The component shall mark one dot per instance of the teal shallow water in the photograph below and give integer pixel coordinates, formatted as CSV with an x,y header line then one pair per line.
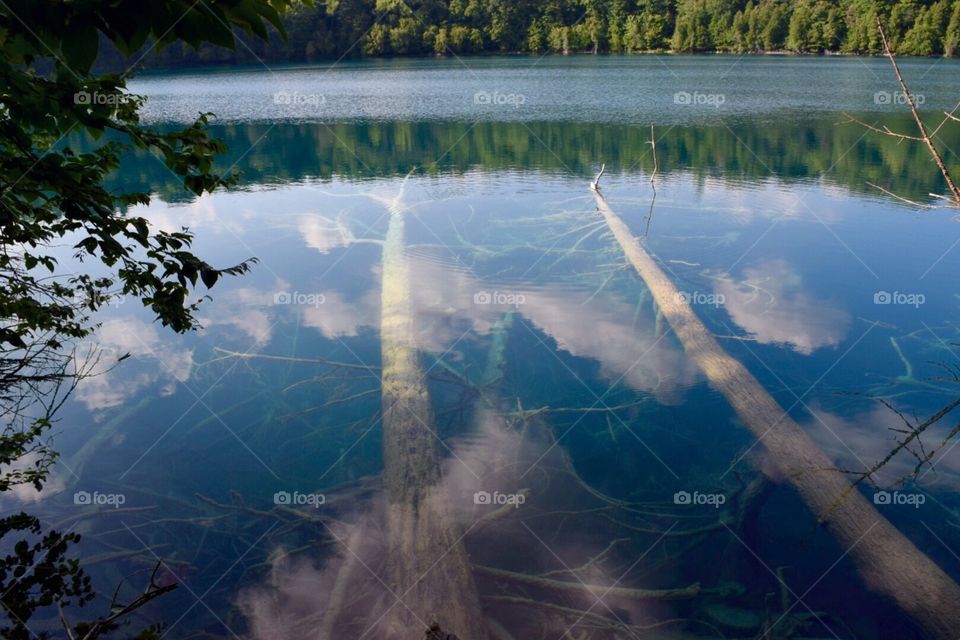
x,y
828,291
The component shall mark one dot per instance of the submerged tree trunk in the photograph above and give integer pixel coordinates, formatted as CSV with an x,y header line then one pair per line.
x,y
428,567
888,562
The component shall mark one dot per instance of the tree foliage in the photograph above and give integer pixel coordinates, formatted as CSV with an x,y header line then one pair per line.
x,y
53,194
445,27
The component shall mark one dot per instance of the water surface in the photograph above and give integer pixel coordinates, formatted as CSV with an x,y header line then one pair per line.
x,y
552,374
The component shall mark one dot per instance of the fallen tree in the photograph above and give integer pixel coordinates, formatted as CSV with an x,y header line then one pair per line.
x,y
887,561
428,567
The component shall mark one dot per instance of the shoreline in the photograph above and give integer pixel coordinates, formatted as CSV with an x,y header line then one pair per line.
x,y
526,54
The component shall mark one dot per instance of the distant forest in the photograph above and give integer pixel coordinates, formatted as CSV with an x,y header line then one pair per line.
x,y
367,28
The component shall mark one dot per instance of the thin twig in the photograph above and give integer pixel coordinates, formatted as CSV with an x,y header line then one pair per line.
x,y
656,168
595,185
653,145
916,116
907,200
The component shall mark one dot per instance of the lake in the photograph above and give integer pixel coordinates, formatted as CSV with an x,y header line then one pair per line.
x,y
580,442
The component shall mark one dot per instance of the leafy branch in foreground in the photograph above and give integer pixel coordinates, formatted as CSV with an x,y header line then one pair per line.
x,y
54,198
37,573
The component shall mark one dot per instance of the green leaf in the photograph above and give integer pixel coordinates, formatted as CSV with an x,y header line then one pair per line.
x,y
209,277
79,47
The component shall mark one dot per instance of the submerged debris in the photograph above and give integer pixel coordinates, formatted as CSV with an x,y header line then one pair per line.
x,y
887,560
435,633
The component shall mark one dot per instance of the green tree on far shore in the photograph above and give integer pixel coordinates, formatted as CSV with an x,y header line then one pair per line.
x,y
355,28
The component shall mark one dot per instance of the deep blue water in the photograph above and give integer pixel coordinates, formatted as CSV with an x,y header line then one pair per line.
x,y
833,294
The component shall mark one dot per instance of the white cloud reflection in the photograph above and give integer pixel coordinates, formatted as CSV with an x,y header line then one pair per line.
x,y
27,493
599,329
152,360
293,600
771,305
321,233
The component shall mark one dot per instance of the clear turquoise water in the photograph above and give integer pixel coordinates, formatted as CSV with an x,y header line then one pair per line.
x,y
762,214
